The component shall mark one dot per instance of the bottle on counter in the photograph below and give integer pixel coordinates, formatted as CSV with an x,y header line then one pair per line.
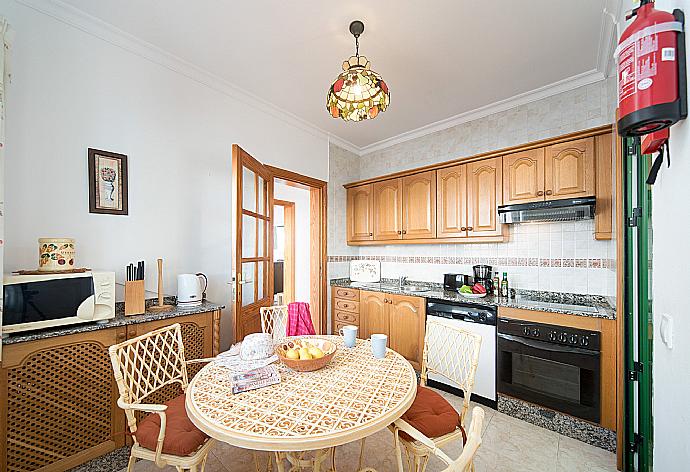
x,y
497,285
504,285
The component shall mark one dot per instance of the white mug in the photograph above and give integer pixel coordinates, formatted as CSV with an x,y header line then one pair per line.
x,y
349,334
378,345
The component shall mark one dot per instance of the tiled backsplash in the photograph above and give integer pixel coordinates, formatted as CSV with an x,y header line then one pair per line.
x,y
561,257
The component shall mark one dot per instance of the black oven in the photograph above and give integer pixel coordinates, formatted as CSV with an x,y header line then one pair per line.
x,y
552,366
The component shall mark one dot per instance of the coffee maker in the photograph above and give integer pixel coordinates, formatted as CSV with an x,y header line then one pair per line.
x,y
482,275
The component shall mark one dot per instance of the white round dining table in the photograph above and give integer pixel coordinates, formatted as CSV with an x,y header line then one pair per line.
x,y
353,397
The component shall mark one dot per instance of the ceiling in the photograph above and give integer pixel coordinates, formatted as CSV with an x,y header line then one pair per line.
x,y
440,58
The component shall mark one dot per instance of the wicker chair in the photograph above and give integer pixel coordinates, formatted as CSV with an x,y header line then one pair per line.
x,y
455,356
274,321
464,463
145,365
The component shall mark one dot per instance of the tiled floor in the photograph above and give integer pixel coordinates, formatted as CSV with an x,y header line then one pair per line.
x,y
508,444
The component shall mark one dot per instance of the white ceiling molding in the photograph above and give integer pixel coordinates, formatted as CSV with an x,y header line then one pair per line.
x,y
115,36
347,145
561,86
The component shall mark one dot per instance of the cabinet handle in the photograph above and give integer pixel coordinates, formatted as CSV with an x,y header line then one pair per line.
x,y
464,228
540,193
371,234
399,232
549,192
470,228
404,231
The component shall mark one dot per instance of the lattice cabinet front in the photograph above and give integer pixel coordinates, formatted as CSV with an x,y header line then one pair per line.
x,y
57,401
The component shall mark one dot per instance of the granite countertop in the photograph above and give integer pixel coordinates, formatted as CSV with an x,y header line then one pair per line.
x,y
119,320
594,306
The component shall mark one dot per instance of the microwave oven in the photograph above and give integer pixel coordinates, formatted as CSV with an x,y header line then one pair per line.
x,y
44,301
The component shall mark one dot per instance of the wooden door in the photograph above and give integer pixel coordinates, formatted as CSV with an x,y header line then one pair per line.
x,y
387,209
419,205
373,313
451,202
406,318
360,222
252,208
523,177
569,169
484,192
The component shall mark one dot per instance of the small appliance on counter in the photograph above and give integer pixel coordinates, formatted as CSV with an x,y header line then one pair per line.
x,y
453,282
365,271
483,275
189,289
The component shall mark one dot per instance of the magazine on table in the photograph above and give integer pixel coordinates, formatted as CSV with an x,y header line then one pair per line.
x,y
257,378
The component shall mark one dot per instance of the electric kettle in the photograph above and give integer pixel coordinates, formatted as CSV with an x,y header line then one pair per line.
x,y
189,289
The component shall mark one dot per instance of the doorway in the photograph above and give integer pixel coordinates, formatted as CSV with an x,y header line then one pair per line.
x,y
284,251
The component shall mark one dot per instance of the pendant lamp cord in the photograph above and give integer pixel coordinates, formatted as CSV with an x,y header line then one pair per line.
x,y
357,45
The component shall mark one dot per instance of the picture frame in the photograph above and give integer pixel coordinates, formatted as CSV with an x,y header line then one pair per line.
x,y
107,182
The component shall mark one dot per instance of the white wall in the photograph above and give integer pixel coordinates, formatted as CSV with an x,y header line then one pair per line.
x,y
71,91
301,198
670,262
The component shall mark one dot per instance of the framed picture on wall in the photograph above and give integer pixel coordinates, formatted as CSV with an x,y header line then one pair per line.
x,y
107,182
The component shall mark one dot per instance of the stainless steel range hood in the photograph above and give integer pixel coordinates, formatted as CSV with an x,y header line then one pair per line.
x,y
571,209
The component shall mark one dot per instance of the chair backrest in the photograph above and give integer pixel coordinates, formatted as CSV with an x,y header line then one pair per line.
x,y
274,321
453,353
148,363
474,440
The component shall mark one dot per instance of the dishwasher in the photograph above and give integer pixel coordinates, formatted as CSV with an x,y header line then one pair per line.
x,y
475,318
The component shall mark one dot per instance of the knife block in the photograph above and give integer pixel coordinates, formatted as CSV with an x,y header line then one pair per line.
x,y
135,302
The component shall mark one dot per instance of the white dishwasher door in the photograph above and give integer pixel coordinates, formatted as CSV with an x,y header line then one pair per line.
x,y
485,379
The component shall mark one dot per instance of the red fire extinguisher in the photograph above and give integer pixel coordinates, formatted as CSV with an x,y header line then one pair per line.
x,y
651,71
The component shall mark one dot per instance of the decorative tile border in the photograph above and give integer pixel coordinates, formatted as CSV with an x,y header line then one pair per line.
x,y
495,261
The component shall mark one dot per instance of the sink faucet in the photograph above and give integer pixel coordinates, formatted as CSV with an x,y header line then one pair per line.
x,y
402,281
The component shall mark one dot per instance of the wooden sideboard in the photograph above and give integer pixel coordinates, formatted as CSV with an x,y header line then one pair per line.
x,y
58,397
457,201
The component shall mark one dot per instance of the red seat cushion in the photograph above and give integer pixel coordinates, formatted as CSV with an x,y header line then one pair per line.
x,y
182,438
431,414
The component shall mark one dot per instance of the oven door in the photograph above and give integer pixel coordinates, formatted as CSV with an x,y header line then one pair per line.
x,y
562,378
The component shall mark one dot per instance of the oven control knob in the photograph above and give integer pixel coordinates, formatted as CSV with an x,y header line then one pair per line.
x,y
552,336
535,332
584,341
573,339
562,338
526,330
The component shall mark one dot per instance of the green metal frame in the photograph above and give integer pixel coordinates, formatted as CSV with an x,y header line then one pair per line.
x,y
638,310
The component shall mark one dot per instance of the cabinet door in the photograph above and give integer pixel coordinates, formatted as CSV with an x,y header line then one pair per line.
x,y
484,192
388,210
419,205
406,336
451,202
569,169
523,177
373,313
359,213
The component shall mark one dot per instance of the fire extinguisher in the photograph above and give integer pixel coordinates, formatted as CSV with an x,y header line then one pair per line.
x,y
651,71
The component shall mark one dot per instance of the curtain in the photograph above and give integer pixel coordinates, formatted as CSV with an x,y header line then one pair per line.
x,y
6,34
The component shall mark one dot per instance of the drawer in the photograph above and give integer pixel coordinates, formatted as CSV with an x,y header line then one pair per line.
x,y
347,317
348,293
337,325
347,305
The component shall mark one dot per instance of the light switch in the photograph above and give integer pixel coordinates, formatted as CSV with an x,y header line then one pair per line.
x,y
666,330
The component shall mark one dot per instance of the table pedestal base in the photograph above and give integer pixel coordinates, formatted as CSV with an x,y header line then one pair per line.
x,y
299,463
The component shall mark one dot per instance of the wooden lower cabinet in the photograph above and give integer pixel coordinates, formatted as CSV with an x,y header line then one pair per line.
x,y
344,308
400,317
58,397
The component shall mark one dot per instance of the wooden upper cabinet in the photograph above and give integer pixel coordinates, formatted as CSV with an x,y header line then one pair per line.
x,y
451,202
569,169
373,313
388,209
406,324
484,192
523,177
360,216
419,205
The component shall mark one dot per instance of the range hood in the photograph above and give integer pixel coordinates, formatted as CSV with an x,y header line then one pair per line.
x,y
571,209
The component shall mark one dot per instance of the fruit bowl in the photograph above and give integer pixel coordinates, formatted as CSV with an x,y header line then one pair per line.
x,y
472,295
305,364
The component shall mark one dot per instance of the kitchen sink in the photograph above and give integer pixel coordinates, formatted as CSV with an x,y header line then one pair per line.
x,y
414,288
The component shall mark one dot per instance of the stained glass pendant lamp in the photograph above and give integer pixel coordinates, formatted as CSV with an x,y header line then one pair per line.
x,y
358,93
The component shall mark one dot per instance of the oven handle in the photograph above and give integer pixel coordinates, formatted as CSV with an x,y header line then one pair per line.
x,y
547,346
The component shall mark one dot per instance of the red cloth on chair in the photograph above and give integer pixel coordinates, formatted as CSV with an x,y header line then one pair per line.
x,y
299,320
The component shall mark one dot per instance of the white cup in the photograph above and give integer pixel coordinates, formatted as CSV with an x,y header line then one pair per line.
x,y
349,334
378,345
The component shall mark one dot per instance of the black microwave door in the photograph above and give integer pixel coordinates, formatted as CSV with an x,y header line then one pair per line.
x,y
45,300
